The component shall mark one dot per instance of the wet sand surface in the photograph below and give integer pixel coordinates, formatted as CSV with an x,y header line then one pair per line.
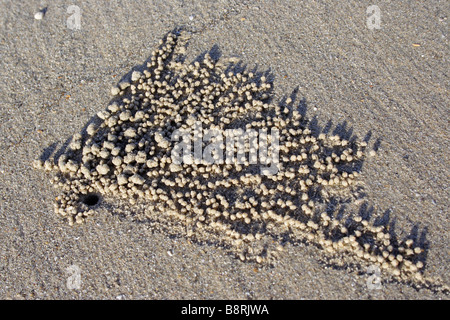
x,y
389,84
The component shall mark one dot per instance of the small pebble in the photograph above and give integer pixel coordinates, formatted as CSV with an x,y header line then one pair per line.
x,y
39,15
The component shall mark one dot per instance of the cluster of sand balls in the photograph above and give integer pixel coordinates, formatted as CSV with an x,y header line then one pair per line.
x,y
127,155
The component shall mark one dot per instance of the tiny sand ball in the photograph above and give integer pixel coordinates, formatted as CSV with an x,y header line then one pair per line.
x,y
102,169
115,91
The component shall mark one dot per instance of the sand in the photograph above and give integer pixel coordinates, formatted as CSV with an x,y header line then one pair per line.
x,y
389,84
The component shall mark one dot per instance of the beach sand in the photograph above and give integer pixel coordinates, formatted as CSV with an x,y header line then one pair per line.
x,y
389,84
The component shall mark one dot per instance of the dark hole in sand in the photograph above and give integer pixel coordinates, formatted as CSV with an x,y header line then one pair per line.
x,y
91,199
